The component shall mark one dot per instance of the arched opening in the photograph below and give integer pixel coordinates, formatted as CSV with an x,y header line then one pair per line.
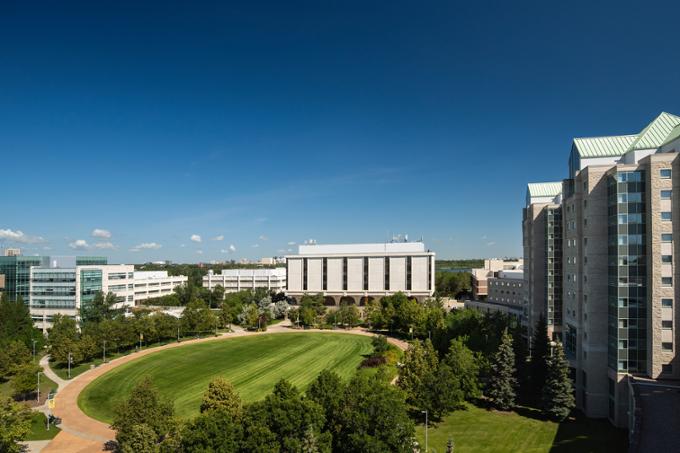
x,y
348,300
329,301
365,300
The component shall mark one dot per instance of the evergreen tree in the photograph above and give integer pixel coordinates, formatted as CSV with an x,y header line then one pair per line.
x,y
221,395
502,383
540,348
522,365
558,397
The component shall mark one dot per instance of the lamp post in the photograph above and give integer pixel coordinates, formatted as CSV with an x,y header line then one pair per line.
x,y
425,412
104,358
39,373
69,365
34,341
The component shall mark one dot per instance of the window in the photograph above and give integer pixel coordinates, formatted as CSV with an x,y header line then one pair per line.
x,y
666,194
666,258
666,281
667,303
623,344
667,346
665,173
666,215
667,237
666,324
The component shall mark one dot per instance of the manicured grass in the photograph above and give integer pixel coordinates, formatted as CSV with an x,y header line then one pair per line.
x,y
477,430
39,428
45,386
253,364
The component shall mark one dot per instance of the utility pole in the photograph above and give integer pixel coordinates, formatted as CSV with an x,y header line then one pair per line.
x,y
425,412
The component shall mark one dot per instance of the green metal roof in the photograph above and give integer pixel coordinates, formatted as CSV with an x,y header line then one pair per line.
x,y
544,189
656,132
604,146
674,135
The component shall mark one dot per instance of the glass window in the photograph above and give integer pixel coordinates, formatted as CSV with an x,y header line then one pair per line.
x,y
666,281
666,194
665,173
667,303
666,258
666,215
666,324
667,237
667,346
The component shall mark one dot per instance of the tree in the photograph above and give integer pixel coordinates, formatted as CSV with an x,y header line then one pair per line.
x,y
558,397
214,431
16,323
373,314
420,360
25,380
442,392
348,314
540,349
502,383
144,406
327,391
216,296
250,316
463,364
142,439
290,417
198,318
14,354
63,339
186,293
100,308
380,344
373,418
221,395
15,424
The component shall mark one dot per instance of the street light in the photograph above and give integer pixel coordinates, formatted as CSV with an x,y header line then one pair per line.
x,y
425,412
69,365
34,341
39,373
104,358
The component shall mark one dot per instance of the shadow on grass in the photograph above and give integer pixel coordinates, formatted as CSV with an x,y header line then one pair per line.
x,y
579,434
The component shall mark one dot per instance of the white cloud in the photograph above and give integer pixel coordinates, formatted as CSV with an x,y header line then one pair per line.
x,y
196,238
200,252
310,242
489,244
255,246
79,244
101,233
291,243
219,237
290,250
231,249
263,237
104,245
146,246
19,236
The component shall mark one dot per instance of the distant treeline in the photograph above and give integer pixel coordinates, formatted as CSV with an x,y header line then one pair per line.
x,y
459,264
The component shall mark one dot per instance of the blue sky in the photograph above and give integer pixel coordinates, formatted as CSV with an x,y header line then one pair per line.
x,y
265,124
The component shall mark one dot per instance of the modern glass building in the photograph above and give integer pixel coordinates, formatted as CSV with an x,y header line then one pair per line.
x,y
17,272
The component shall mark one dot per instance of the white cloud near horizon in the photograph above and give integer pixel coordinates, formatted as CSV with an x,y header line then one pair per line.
x,y
101,233
219,237
146,246
196,238
104,245
79,244
20,236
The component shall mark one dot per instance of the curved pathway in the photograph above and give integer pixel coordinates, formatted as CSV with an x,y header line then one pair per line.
x,y
81,434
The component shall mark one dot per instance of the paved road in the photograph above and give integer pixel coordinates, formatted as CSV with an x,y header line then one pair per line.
x,y
82,434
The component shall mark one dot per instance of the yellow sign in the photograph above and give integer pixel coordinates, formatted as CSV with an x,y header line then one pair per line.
x,y
51,403
141,336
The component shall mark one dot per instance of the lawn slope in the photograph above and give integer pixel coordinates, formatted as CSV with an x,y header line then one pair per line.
x,y
252,364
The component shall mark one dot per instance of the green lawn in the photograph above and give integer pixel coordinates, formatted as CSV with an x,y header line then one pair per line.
x,y
477,430
39,428
253,364
45,386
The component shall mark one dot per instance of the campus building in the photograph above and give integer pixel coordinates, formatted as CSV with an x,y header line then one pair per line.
x,y
233,280
542,242
480,276
150,284
357,273
619,233
63,286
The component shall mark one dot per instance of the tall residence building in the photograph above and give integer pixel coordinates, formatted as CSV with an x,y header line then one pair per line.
x,y
150,284
233,280
480,276
619,231
63,286
542,242
357,273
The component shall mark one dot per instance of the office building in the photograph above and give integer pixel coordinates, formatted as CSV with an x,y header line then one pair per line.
x,y
64,286
12,252
150,284
356,273
507,287
233,280
619,283
491,268
542,242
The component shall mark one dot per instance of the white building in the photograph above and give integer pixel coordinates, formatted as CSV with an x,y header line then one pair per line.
x,y
62,287
150,284
233,280
359,272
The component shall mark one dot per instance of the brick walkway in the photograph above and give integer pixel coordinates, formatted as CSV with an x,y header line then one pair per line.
x,y
82,434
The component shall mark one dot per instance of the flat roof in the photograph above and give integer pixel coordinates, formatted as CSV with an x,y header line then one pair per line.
x,y
367,248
